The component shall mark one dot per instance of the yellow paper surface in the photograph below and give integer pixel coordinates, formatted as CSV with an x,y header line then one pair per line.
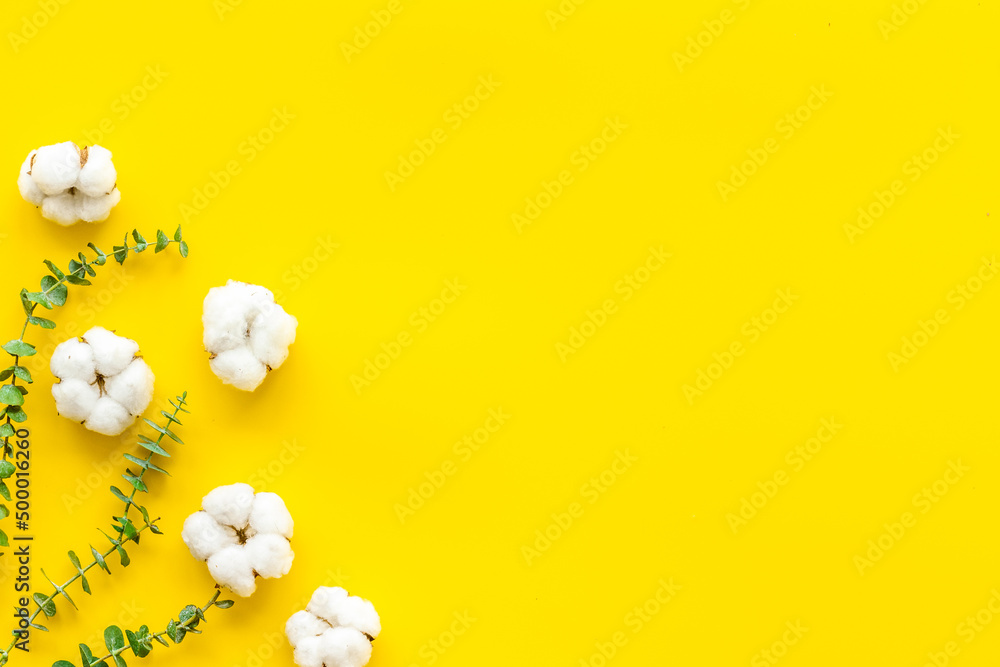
x,y
629,333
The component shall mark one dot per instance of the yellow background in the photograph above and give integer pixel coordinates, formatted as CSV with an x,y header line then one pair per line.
x,y
356,456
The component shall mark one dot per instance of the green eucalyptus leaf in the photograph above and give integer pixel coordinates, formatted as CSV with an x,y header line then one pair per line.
x,y
41,322
137,645
64,663
4,511
177,234
74,279
6,469
6,431
18,348
140,242
135,482
55,290
152,446
161,240
184,248
113,638
120,496
3,539
165,431
99,559
55,269
101,258
4,491
224,604
17,414
124,556
47,606
11,395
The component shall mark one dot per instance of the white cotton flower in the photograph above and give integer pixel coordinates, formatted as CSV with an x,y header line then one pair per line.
x,y
335,630
247,334
239,540
102,381
70,183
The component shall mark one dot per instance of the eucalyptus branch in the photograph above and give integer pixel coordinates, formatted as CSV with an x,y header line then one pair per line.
x,y
140,642
123,526
53,293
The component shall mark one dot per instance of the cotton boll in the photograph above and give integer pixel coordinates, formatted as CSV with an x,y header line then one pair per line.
x,y
98,175
60,209
310,652
325,603
269,515
26,184
133,387
29,191
108,417
204,536
270,555
302,624
346,647
246,333
96,209
272,333
352,624
56,167
230,505
75,399
111,353
73,359
240,368
360,614
231,568
122,382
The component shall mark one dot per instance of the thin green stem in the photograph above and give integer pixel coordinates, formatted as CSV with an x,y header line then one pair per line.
x,y
7,448
4,654
149,640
